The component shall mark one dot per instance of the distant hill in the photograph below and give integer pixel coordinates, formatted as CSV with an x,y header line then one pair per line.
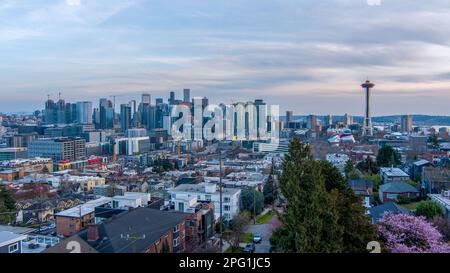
x,y
417,119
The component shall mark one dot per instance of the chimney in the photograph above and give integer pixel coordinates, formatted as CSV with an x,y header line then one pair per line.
x,y
92,233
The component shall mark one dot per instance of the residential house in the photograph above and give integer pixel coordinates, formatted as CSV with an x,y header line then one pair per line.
x,y
435,179
11,242
390,192
377,212
361,187
389,175
417,169
182,195
73,220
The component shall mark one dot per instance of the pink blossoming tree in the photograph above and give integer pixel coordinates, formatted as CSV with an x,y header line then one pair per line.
x,y
404,233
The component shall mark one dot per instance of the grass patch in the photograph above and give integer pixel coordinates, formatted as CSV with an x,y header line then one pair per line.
x,y
264,219
246,238
411,206
233,250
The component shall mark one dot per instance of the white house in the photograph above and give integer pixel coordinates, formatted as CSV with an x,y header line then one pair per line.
x,y
183,196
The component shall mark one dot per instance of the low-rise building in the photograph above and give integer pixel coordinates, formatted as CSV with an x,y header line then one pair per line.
x,y
131,200
338,161
73,220
377,212
435,179
13,153
11,242
142,230
443,200
389,175
390,192
361,187
182,196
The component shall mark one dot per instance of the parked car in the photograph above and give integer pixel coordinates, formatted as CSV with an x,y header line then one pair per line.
x,y
257,238
248,248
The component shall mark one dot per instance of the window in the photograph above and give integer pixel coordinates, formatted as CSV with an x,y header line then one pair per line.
x,y
226,208
227,216
176,229
176,242
181,206
208,197
13,248
226,200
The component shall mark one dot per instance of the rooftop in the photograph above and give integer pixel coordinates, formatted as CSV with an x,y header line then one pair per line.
x,y
377,212
201,188
394,172
398,187
148,224
442,200
84,209
7,238
17,230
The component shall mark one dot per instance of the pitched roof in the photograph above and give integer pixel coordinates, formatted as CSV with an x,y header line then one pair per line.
x,y
398,187
145,223
377,212
67,246
396,172
360,184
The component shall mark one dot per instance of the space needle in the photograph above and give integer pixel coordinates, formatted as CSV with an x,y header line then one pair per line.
x,y
367,127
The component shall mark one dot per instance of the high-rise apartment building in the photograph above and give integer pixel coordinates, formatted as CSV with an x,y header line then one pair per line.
x,y
187,95
125,117
406,124
84,112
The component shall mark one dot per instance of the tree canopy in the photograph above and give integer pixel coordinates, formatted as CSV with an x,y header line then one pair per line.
x,y
428,209
388,157
7,204
404,233
248,195
322,213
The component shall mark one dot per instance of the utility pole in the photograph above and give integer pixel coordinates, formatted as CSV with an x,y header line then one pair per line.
x,y
254,206
220,201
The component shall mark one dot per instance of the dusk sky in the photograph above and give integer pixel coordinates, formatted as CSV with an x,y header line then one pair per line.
x,y
309,56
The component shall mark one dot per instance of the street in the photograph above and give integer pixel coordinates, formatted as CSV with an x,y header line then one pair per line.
x,y
266,231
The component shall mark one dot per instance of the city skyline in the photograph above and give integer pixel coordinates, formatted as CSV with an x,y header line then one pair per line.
x,y
305,57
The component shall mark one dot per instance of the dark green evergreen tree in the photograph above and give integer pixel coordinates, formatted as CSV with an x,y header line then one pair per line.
x,y
357,229
248,195
309,223
388,157
7,205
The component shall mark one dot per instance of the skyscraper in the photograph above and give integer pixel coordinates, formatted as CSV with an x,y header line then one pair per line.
x,y
125,117
59,112
406,124
106,114
289,117
348,120
50,112
172,98
328,121
261,117
187,95
84,112
367,126
312,122
146,98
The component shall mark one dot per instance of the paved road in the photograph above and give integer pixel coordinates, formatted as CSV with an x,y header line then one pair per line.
x,y
265,231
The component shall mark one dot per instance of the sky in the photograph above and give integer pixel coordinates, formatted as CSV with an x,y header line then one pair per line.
x,y
305,55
